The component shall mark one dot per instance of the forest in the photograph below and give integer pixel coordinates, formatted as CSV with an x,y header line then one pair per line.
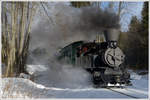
x,y
135,41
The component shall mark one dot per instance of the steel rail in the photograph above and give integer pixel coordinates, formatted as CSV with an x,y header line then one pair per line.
x,y
123,93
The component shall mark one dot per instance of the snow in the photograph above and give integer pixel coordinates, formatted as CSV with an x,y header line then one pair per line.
x,y
24,88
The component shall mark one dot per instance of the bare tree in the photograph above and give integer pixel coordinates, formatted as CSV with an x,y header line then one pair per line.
x,y
16,25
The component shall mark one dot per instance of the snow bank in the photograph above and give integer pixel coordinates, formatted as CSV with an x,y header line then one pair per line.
x,y
48,88
21,88
24,88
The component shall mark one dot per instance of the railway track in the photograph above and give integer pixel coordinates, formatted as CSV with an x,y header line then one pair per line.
x,y
129,95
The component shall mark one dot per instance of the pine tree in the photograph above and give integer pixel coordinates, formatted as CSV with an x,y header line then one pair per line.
x,y
145,16
137,51
134,48
144,29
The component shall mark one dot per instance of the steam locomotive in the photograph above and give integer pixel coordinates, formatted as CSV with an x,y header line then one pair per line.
x,y
104,60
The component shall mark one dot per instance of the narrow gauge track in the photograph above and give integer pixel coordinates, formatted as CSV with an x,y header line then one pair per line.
x,y
123,93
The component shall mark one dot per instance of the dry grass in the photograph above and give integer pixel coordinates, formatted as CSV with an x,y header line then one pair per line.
x,y
19,88
9,91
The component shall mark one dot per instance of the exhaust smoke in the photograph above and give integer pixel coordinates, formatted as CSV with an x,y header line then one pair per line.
x,y
71,24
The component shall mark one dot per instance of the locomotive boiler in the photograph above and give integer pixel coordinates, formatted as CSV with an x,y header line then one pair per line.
x,y
104,60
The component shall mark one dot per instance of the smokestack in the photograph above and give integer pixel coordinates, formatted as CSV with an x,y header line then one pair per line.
x,y
111,34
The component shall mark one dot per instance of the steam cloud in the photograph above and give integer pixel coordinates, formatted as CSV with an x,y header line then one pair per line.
x,y
71,24
95,19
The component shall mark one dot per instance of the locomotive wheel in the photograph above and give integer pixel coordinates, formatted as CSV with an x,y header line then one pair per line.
x,y
97,79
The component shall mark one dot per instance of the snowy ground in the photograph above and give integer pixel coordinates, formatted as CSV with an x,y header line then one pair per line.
x,y
41,88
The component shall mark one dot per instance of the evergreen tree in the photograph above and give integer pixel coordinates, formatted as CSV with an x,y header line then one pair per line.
x,y
133,47
144,29
145,16
137,52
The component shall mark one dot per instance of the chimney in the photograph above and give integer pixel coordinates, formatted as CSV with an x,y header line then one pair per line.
x,y
111,34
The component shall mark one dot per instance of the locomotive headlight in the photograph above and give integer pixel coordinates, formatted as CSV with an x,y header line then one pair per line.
x,y
115,44
96,74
